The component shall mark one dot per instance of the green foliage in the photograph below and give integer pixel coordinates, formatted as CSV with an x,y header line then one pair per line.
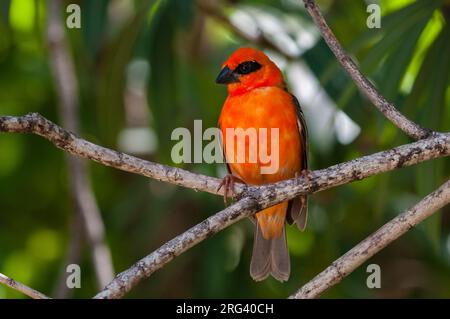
x,y
408,59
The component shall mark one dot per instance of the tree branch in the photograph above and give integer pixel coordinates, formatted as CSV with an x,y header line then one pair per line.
x,y
438,145
374,243
30,292
365,86
36,124
251,198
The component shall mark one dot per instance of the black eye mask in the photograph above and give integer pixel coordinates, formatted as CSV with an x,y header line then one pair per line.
x,y
247,67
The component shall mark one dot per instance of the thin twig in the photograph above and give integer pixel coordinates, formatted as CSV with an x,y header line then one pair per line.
x,y
366,87
374,243
86,205
30,292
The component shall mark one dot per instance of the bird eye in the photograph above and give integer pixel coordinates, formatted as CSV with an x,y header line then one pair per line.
x,y
248,67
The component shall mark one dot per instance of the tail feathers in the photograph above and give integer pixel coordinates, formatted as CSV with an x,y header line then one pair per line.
x,y
260,265
281,264
270,257
298,212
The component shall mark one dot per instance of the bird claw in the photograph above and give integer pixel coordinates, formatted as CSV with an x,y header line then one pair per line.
x,y
306,173
228,184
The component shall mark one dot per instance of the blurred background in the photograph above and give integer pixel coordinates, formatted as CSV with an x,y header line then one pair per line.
x,y
143,68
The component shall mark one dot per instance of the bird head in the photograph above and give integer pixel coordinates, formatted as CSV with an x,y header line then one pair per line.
x,y
247,69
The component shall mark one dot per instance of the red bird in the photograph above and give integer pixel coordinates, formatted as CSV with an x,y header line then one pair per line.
x,y
258,99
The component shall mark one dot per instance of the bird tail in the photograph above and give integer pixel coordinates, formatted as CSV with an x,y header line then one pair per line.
x,y
270,252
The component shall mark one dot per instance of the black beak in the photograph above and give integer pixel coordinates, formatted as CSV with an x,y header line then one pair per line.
x,y
226,76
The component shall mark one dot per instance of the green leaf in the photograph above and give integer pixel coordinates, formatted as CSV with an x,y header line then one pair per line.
x,y
390,75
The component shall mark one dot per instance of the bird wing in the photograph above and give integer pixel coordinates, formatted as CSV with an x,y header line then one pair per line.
x,y
298,207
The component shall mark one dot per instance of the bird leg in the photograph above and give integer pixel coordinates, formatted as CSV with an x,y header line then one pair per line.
x,y
308,175
228,183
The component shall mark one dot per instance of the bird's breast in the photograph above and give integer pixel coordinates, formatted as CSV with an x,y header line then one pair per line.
x,y
264,123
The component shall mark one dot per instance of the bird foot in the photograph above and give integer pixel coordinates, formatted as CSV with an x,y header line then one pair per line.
x,y
228,184
306,173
